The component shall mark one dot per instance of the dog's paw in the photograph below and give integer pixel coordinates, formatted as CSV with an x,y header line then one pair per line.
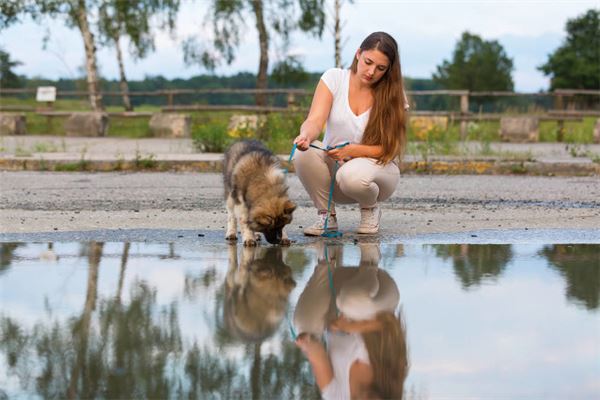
x,y
285,242
231,238
257,236
250,243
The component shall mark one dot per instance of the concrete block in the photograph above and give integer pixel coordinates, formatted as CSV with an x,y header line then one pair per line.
x,y
597,131
519,129
91,124
241,126
12,124
170,125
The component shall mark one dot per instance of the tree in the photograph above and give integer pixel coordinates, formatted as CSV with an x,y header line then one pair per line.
x,y
76,14
477,65
576,64
8,79
132,19
337,32
228,18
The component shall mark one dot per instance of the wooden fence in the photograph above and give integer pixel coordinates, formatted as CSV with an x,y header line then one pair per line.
x,y
563,102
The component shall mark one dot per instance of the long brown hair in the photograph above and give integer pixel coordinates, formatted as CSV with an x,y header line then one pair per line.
x,y
388,355
387,120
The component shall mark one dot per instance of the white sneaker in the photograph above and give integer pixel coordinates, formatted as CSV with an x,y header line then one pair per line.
x,y
369,220
318,227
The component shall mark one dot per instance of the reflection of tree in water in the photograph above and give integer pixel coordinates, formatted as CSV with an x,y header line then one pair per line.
x,y
579,264
6,254
475,263
136,350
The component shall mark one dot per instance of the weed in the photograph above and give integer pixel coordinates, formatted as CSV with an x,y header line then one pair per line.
x,y
44,147
147,162
22,152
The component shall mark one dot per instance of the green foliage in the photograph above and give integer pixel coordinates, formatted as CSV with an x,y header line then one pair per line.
x,y
211,136
8,79
576,64
289,72
280,130
476,65
132,19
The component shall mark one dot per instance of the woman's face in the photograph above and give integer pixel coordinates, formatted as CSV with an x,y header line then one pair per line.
x,y
372,65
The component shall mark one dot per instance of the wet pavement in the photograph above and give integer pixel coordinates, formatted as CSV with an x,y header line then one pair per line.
x,y
174,320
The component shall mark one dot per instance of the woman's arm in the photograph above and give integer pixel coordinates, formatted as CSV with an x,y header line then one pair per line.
x,y
345,325
317,116
318,358
355,151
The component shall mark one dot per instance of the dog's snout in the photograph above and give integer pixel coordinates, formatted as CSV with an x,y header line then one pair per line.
x,y
273,237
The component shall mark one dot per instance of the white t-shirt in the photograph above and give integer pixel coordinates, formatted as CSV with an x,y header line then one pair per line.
x,y
342,125
343,349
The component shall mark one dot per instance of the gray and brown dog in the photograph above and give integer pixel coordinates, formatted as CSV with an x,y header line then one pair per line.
x,y
256,193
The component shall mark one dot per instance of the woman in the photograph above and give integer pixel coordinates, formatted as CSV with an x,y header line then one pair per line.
x,y
364,106
366,354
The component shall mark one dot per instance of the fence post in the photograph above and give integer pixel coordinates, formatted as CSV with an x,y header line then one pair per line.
x,y
169,98
291,100
464,110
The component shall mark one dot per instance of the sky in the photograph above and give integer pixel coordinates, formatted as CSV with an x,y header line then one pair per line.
x,y
426,31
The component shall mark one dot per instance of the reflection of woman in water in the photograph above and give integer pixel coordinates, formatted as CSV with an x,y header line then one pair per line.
x,y
366,354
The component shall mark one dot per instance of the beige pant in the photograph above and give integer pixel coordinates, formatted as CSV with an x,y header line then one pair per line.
x,y
360,293
360,180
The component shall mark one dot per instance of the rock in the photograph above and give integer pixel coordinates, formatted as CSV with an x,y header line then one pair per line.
x,y
170,125
12,124
241,126
87,124
597,131
519,129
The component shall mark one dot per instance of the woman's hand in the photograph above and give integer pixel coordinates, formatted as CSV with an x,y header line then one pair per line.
x,y
309,345
344,153
302,142
342,324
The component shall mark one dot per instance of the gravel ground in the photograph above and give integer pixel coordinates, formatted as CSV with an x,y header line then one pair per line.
x,y
159,205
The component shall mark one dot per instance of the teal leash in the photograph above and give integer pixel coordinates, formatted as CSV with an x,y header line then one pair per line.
x,y
294,147
326,233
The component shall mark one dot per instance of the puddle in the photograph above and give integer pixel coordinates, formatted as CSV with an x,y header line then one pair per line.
x,y
160,320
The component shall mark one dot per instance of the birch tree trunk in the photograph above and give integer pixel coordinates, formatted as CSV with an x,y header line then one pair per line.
x,y
263,66
81,335
90,56
123,82
337,32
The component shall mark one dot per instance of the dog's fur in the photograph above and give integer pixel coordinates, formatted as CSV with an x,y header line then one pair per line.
x,y
256,292
255,192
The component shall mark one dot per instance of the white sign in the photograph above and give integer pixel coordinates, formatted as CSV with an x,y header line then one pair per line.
x,y
46,93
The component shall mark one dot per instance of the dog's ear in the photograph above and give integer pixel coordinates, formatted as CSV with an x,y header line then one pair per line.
x,y
289,207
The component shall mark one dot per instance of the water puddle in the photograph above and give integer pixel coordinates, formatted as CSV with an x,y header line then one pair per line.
x,y
160,320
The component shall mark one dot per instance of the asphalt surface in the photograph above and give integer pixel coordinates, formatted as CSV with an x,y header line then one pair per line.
x,y
51,206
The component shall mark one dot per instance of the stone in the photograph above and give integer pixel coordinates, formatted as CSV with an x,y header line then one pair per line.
x,y
12,124
422,126
597,131
170,125
241,126
91,124
519,129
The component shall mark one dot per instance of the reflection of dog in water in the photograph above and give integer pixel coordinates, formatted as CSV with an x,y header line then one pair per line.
x,y
256,292
255,192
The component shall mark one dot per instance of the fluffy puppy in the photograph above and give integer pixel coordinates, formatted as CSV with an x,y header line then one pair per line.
x,y
256,293
256,193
